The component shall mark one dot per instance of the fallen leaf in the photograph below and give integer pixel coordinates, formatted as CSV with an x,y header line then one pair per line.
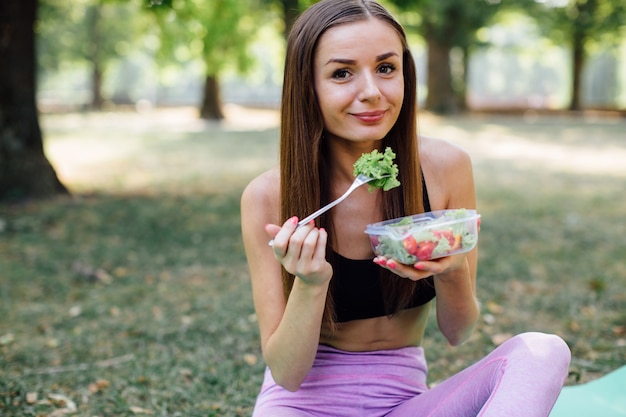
x,y
98,386
67,405
52,343
31,397
498,339
494,308
250,359
139,410
7,339
489,319
75,311
619,330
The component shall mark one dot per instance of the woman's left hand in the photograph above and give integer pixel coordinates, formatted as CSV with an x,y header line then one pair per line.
x,y
421,269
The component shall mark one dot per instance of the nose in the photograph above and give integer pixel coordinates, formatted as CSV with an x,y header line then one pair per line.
x,y
369,88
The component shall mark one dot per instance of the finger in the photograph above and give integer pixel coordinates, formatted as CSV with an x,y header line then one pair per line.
x,y
402,270
280,241
436,266
297,239
272,230
309,244
320,249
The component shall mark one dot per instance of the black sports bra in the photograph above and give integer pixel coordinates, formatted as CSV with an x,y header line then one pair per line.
x,y
357,287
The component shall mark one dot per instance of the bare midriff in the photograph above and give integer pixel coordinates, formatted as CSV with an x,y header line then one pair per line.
x,y
379,333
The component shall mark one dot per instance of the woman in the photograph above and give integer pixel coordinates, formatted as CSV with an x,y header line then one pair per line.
x,y
341,329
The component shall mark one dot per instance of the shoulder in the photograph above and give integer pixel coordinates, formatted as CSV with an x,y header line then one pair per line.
x,y
442,153
262,196
448,173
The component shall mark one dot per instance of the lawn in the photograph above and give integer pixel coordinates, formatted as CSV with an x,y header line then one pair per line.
x,y
132,296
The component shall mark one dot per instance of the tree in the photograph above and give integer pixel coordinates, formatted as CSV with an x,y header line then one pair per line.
x,y
218,34
445,25
578,24
95,32
291,10
24,169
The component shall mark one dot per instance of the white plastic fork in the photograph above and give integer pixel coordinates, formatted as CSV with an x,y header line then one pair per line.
x,y
358,181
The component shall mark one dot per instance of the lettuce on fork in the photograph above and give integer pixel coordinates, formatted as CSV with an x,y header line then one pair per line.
x,y
378,165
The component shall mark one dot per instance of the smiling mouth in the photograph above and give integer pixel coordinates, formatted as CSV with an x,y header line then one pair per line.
x,y
370,116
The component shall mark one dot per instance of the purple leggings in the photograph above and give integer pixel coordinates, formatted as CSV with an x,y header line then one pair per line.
x,y
522,377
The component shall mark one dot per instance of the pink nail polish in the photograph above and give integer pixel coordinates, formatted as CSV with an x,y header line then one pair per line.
x,y
391,265
294,220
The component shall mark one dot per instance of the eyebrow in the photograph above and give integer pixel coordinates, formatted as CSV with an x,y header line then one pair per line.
x,y
379,58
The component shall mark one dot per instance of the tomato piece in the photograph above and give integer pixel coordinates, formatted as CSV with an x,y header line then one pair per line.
x,y
410,244
425,250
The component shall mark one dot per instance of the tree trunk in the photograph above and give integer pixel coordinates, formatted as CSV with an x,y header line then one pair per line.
x,y
441,97
211,108
24,170
461,94
291,11
583,28
578,58
97,100
94,19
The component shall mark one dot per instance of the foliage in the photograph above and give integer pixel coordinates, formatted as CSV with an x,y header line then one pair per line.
x,y
133,297
66,30
594,20
218,34
92,32
579,24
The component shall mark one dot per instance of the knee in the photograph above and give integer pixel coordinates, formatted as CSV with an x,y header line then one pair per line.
x,y
548,350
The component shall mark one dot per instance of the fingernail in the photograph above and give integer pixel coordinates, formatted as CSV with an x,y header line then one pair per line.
x,y
419,266
294,220
391,265
312,222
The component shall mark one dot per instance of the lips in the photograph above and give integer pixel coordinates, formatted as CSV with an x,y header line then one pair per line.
x,y
370,116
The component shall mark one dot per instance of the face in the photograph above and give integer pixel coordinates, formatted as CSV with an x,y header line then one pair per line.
x,y
358,79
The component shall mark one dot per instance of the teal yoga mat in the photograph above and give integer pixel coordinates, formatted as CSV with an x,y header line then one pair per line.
x,y
603,397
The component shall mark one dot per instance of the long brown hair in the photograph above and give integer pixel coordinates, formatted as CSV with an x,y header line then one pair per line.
x,y
302,149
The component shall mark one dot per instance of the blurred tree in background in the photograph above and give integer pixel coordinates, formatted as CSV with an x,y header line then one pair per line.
x,y
449,24
580,25
95,32
291,9
218,33
24,169
445,24
220,37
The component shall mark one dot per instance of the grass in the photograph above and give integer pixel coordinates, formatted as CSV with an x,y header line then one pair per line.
x,y
132,297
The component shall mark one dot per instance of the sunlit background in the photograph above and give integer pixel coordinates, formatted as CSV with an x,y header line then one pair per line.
x,y
153,54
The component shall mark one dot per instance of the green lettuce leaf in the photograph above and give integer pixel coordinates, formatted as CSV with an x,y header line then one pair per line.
x,y
376,165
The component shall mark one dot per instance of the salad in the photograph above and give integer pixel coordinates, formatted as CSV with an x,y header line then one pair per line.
x,y
376,165
424,237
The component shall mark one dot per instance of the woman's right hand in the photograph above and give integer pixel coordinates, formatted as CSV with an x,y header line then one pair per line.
x,y
301,250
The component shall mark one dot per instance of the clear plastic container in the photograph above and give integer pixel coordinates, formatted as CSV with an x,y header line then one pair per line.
x,y
425,236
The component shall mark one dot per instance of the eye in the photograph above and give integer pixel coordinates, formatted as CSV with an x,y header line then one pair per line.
x,y
341,74
386,68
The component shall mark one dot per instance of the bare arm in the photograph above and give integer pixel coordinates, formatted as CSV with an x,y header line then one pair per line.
x,y
289,329
449,176
457,307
